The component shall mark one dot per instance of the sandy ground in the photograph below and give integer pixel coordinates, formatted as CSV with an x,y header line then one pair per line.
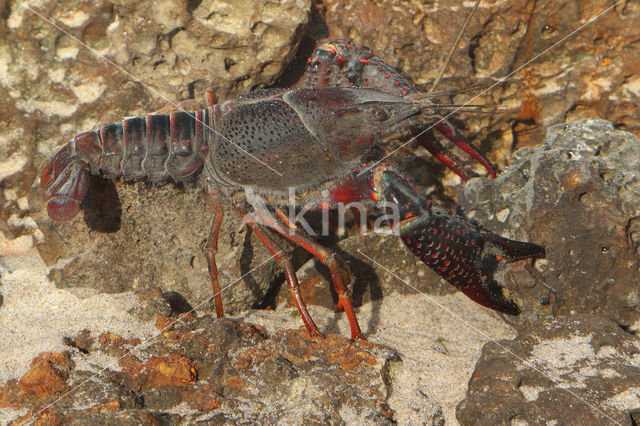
x,y
438,338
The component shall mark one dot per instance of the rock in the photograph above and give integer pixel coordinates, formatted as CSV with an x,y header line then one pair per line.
x,y
580,369
438,339
213,370
53,87
148,237
47,377
578,196
548,80
181,46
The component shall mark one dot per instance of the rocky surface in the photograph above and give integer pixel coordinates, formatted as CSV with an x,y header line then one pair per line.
x,y
149,239
144,237
550,77
206,370
580,369
114,357
578,194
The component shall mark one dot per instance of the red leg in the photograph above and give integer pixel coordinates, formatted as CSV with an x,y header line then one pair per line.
x,y
284,259
449,160
361,220
212,247
455,136
339,272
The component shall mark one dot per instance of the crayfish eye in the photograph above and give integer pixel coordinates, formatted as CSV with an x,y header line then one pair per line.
x,y
379,114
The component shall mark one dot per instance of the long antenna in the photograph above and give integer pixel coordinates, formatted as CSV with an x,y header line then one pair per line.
x,y
454,47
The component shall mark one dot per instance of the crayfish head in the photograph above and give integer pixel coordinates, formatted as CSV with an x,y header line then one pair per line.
x,y
386,113
341,113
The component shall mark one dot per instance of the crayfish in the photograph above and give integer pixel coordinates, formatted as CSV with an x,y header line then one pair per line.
x,y
256,146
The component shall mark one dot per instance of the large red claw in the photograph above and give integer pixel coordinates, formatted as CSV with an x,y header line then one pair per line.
x,y
459,251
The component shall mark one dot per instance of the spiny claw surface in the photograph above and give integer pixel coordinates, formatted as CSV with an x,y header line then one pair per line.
x,y
460,251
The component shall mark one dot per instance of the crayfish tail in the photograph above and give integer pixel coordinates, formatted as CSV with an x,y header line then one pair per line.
x,y
157,147
65,180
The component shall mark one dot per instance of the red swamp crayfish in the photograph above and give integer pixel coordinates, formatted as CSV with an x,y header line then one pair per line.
x,y
256,146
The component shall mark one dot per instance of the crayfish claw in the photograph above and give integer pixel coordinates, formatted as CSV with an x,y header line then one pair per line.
x,y
459,250
456,136
513,250
462,254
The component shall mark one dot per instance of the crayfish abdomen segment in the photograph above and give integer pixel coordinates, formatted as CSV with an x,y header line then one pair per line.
x,y
157,147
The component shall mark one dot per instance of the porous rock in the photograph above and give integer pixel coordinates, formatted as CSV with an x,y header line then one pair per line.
x,y
203,369
578,195
147,237
580,369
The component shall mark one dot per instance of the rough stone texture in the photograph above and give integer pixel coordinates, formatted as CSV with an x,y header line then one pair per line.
x,y
580,369
578,194
52,87
203,369
593,73
152,237
438,339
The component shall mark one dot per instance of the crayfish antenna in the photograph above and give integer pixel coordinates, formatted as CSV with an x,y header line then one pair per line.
x,y
454,46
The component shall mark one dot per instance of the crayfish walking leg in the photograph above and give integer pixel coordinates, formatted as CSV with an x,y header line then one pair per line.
x,y
212,248
284,259
339,272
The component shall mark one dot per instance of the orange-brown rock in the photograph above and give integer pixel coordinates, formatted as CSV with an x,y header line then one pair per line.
x,y
174,370
249,377
47,376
